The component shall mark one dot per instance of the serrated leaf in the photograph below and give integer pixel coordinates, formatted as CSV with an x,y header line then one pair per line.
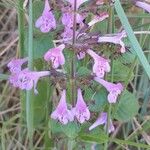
x,y
127,107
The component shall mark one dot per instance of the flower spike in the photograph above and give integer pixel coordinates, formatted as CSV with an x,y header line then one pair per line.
x,y
56,56
113,89
46,21
81,111
101,65
61,112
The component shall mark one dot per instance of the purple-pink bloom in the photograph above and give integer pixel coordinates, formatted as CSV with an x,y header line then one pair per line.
x,y
113,89
46,21
102,119
143,5
61,112
81,111
15,65
26,80
101,65
56,56
98,18
79,2
116,39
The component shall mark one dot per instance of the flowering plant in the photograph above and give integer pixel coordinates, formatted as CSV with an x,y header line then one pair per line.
x,y
83,71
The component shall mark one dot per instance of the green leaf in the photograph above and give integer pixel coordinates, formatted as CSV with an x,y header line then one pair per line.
x,y
127,107
102,138
83,71
71,130
99,101
4,77
97,138
132,38
120,71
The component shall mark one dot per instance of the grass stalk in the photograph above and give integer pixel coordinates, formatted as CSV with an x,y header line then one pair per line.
x,y
21,27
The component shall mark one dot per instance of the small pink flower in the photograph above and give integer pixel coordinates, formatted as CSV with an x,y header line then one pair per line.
x,y
116,39
56,56
61,113
15,65
98,18
46,21
113,89
26,80
101,65
81,111
102,119
143,5
80,55
79,2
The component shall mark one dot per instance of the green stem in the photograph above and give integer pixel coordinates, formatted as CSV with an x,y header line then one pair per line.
x,y
29,98
73,66
111,26
70,144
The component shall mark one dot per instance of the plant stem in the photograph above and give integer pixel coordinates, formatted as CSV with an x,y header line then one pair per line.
x,y
70,144
111,26
73,66
29,98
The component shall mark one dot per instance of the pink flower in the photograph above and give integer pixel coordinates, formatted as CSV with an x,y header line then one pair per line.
x,y
26,80
15,65
143,5
113,89
101,65
62,113
79,2
81,111
56,56
102,119
46,21
116,39
98,18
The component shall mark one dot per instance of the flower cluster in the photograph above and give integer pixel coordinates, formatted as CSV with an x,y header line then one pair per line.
x,y
73,15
